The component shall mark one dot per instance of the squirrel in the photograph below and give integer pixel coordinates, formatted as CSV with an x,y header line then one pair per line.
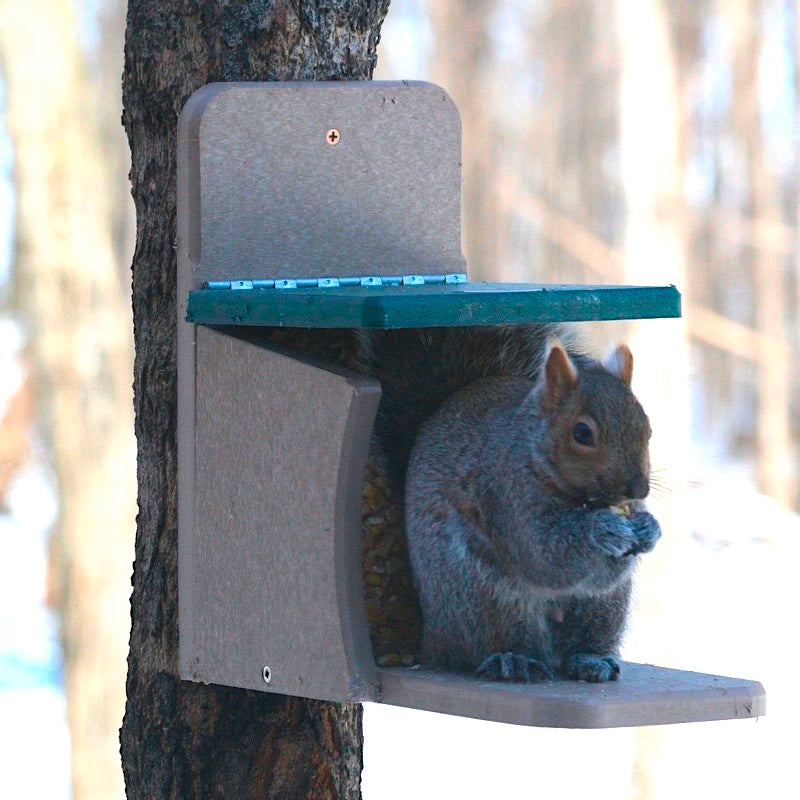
x,y
523,465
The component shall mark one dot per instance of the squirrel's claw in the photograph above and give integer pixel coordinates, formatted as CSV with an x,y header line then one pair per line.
x,y
593,669
513,667
613,534
646,529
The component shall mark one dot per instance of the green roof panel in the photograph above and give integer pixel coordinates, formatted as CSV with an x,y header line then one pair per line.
x,y
391,306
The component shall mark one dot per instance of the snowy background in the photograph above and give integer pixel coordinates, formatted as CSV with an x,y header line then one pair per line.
x,y
34,739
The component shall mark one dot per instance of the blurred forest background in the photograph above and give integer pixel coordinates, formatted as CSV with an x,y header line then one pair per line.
x,y
605,141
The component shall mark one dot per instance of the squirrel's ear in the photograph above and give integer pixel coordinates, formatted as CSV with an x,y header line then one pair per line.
x,y
559,374
620,363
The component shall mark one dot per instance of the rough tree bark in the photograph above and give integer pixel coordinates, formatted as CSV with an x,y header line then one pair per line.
x,y
182,740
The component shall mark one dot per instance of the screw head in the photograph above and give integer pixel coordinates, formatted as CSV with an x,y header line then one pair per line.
x,y
266,674
333,137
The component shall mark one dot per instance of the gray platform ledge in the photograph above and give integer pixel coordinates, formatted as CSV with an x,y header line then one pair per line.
x,y
430,306
644,695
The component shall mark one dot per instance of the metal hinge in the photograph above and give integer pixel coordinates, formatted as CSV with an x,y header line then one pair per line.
x,y
331,283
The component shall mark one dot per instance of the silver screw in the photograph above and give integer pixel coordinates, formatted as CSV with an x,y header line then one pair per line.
x,y
333,136
266,674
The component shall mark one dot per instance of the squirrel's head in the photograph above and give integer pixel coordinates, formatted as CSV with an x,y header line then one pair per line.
x,y
598,432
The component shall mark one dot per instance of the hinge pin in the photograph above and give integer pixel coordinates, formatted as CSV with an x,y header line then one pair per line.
x,y
332,283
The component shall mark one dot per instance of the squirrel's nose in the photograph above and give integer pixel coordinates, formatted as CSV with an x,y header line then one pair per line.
x,y
638,487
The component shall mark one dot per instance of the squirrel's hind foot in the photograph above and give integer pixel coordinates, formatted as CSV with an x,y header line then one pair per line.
x,y
593,669
513,667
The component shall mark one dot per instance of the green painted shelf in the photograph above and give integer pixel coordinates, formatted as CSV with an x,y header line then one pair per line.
x,y
445,305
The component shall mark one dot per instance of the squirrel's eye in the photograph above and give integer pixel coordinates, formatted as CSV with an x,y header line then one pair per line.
x,y
583,434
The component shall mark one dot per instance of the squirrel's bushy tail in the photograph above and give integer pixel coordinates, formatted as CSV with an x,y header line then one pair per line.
x,y
419,368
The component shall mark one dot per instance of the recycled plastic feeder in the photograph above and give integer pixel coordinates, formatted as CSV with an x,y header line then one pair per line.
x,y
337,205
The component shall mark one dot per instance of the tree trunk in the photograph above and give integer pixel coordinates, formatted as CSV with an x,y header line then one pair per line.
x,y
70,292
182,740
115,151
460,65
578,127
773,436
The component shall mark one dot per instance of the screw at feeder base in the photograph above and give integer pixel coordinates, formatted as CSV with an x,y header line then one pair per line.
x,y
333,136
266,674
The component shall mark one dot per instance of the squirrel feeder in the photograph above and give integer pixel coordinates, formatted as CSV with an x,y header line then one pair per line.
x,y
337,205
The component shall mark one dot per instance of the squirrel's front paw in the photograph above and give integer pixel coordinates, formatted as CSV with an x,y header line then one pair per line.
x,y
613,534
646,529
593,669
513,667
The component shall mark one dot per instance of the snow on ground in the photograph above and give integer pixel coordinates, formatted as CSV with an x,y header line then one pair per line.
x,y
34,743
34,740
719,598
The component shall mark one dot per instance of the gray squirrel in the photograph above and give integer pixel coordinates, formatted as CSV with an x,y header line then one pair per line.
x,y
523,465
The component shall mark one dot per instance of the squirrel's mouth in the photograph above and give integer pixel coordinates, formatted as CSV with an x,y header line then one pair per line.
x,y
605,494
604,500
594,503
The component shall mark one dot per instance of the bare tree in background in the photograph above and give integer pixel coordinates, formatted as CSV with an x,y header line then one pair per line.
x,y
183,740
795,7
794,253
461,65
652,135
575,130
763,205
107,84
70,289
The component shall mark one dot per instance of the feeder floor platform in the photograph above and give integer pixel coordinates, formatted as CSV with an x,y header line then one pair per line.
x,y
643,695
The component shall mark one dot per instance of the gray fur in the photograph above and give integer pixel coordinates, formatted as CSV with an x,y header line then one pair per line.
x,y
420,368
521,568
